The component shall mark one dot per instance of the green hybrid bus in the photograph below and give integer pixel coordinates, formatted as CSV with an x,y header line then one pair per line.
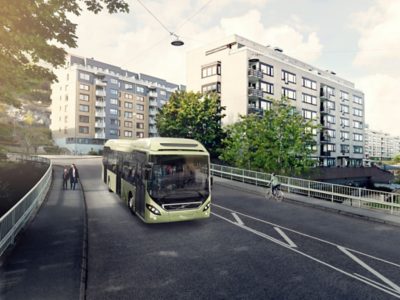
x,y
160,179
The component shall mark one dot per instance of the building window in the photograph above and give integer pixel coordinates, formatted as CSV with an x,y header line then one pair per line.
x,y
309,99
344,96
113,81
309,114
83,129
113,132
84,108
84,76
128,115
113,92
357,112
128,86
288,77
140,89
344,108
127,133
267,69
128,96
128,105
344,148
344,122
128,124
267,88
140,125
114,111
114,101
358,149
311,130
357,137
140,98
211,70
358,124
329,148
290,94
84,97
114,122
140,134
163,93
84,119
140,116
140,107
212,87
310,84
358,99
84,87
330,119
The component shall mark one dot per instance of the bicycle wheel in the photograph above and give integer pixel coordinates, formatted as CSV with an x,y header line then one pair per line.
x,y
268,194
279,195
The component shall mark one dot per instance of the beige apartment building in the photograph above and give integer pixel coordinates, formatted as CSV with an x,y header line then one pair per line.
x,y
94,101
380,145
247,75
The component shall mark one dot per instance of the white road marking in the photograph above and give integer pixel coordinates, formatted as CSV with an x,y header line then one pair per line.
x,y
309,236
240,222
365,266
375,282
395,294
286,238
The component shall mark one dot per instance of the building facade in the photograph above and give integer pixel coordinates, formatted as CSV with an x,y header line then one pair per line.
x,y
380,145
247,75
94,101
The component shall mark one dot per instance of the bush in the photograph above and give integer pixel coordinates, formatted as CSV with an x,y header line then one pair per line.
x,y
52,149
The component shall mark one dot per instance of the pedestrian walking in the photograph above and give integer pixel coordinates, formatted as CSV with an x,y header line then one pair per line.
x,y
65,178
73,176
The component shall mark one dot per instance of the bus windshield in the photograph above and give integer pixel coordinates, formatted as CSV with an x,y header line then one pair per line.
x,y
178,178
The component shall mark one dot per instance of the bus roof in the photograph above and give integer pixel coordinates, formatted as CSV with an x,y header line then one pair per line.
x,y
155,144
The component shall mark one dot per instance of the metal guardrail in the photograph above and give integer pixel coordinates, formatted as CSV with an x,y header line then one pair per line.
x,y
15,219
352,196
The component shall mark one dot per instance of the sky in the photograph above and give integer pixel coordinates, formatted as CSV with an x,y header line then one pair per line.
x,y
357,39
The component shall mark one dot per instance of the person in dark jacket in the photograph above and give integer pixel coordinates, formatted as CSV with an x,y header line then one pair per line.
x,y
73,176
65,178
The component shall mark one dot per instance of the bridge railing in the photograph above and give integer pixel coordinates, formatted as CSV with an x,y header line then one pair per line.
x,y
15,219
347,195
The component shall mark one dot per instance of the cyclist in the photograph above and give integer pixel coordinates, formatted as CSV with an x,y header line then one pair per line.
x,y
275,184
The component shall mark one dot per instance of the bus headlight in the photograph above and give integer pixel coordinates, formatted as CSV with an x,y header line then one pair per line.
x,y
207,206
153,209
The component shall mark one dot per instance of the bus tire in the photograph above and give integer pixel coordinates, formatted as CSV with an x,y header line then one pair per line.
x,y
130,204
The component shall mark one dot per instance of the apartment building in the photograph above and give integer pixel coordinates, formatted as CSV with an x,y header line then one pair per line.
x,y
247,75
380,145
94,101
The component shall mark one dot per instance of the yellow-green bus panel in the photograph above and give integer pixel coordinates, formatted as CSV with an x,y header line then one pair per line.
x,y
112,181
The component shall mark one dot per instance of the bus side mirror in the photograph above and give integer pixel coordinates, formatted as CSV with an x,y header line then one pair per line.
x,y
211,180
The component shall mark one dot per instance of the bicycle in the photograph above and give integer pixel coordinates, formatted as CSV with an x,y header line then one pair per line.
x,y
278,197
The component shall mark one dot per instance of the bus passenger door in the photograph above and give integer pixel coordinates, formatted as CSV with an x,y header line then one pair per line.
x,y
140,186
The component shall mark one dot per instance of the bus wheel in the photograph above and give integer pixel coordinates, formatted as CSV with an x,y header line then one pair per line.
x,y
130,204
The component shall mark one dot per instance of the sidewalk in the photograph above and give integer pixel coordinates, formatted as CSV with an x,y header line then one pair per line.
x,y
49,250
352,211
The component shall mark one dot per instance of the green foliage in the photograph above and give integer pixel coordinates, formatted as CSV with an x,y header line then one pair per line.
x,y
396,159
279,142
192,115
28,32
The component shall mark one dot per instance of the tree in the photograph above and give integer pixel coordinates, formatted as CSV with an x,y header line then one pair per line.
x,y
30,32
281,141
195,116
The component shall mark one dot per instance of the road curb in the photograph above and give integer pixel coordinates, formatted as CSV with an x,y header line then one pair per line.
x,y
84,262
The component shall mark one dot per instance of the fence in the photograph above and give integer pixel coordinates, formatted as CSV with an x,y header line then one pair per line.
x,y
347,195
15,219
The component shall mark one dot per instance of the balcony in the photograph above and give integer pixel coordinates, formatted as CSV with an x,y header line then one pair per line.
x,y
100,103
152,121
153,103
100,124
254,75
256,111
153,112
326,110
100,93
153,94
153,130
99,82
100,135
255,93
100,114
326,138
328,125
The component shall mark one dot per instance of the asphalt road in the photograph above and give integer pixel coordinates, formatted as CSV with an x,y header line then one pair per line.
x,y
250,248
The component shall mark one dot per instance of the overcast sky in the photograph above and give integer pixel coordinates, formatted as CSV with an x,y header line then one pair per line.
x,y
358,39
